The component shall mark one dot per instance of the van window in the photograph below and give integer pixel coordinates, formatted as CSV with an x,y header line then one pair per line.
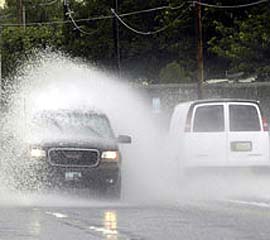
x,y
244,118
209,119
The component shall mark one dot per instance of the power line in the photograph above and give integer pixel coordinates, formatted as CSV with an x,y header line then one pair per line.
x,y
57,22
34,23
142,32
48,3
152,10
69,14
102,17
35,5
6,16
128,14
232,6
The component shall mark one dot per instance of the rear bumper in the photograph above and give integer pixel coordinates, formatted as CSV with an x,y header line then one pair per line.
x,y
227,171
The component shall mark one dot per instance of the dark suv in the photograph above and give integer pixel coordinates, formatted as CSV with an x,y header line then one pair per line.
x,y
73,148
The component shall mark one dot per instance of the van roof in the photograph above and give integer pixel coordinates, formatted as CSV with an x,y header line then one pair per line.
x,y
218,100
187,105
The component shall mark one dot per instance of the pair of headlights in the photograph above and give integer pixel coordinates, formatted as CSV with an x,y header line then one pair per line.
x,y
106,155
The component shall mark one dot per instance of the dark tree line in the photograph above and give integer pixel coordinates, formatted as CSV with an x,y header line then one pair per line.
x,y
234,40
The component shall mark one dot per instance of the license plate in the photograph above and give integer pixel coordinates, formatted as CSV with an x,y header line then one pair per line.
x,y
241,146
73,176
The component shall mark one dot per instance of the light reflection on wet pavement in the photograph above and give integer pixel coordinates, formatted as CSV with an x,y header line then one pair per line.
x,y
194,220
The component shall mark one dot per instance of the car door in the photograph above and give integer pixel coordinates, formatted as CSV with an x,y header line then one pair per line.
x,y
207,140
248,142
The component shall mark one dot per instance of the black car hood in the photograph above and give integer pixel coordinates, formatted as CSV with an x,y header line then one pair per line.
x,y
76,142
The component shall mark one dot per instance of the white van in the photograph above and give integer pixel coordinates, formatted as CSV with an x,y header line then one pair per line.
x,y
220,133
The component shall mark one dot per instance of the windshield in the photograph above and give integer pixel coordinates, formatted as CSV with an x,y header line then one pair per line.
x,y
72,123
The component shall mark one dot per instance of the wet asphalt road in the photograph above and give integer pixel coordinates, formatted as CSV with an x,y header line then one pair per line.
x,y
209,220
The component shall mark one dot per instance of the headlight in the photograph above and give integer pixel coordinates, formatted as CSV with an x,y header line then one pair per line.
x,y
37,153
110,156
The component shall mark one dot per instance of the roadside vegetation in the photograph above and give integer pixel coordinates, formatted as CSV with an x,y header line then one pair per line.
x,y
156,46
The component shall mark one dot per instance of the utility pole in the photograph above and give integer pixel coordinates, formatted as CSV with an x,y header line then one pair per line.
x,y
116,38
200,71
66,9
66,27
19,12
23,16
1,83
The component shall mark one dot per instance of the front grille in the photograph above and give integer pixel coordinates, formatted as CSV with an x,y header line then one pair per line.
x,y
74,157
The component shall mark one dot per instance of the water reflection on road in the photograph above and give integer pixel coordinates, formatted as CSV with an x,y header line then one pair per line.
x,y
203,220
109,229
34,227
110,224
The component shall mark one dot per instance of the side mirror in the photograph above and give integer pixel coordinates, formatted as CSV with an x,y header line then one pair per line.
x,y
124,139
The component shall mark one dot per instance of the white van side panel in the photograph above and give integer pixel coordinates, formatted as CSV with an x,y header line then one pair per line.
x,y
177,125
177,132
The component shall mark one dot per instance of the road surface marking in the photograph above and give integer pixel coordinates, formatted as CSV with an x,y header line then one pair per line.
x,y
57,215
104,230
256,204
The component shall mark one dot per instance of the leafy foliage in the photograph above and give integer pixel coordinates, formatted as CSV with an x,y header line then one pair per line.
x,y
245,45
234,40
19,43
174,73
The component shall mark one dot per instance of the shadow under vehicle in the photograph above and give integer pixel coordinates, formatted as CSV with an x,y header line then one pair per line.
x,y
72,148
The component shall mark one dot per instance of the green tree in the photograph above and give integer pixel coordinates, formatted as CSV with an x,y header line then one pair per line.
x,y
19,44
174,73
244,44
234,39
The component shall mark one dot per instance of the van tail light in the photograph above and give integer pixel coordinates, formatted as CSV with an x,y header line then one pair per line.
x,y
188,122
265,124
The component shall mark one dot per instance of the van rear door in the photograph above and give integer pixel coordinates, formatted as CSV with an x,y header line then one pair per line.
x,y
206,142
248,143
